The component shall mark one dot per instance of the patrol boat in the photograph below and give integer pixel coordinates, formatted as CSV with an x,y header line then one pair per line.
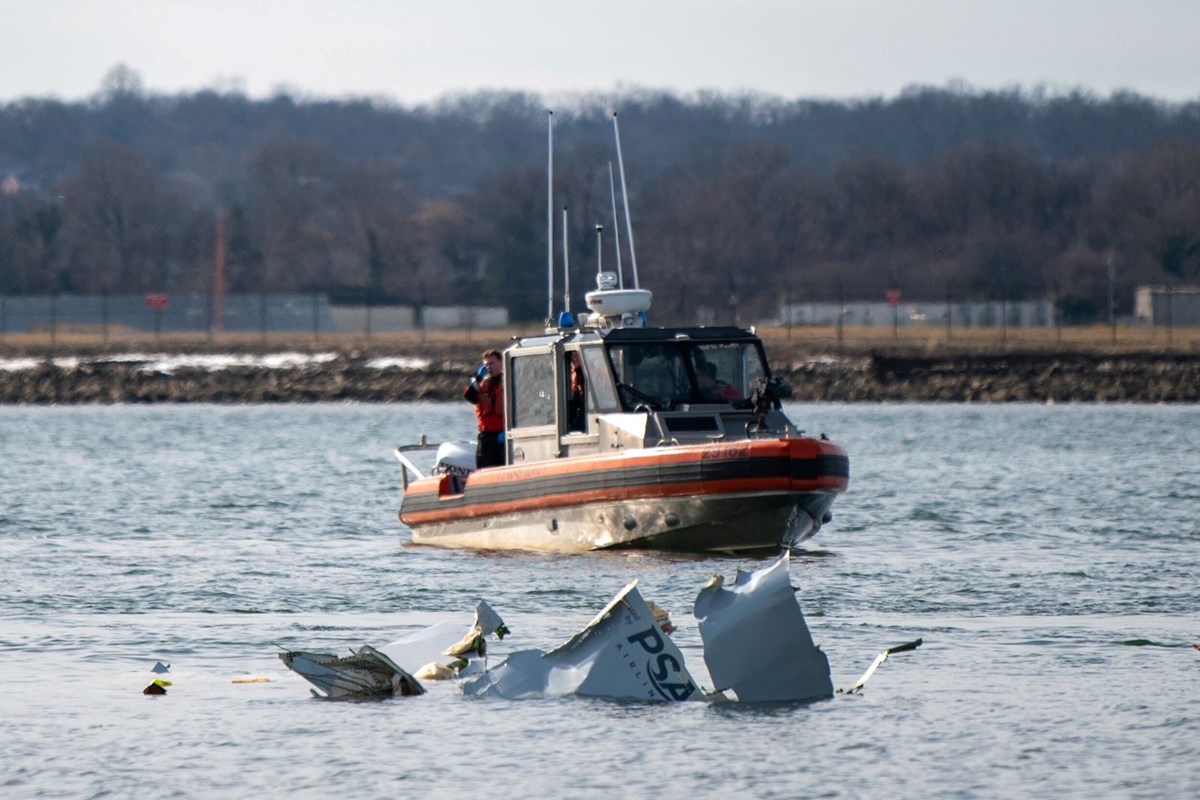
x,y
621,435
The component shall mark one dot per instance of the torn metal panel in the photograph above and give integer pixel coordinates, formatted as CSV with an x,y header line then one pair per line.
x,y
488,622
366,674
756,641
621,654
440,650
425,646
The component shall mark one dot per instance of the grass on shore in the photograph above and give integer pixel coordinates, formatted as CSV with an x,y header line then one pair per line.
x,y
781,341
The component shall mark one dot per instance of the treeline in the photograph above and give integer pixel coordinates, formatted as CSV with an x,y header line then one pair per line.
x,y
737,201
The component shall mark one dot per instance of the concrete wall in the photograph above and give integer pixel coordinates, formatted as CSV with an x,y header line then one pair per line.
x,y
367,319
184,312
962,315
1164,306
242,313
436,318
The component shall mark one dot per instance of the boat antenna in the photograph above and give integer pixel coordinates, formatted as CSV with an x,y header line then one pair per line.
x,y
625,196
566,268
550,217
612,191
599,253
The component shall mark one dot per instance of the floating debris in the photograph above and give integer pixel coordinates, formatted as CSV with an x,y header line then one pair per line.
x,y
661,616
443,650
365,674
433,671
756,642
757,646
159,668
622,654
157,686
252,679
879,659
374,673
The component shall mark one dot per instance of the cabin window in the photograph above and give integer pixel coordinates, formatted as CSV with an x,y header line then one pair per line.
x,y
668,374
726,372
654,374
578,400
600,380
531,387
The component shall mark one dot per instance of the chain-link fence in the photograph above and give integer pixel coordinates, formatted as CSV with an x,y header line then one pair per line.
x,y
1163,316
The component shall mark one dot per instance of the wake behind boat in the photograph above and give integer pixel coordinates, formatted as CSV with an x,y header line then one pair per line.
x,y
619,435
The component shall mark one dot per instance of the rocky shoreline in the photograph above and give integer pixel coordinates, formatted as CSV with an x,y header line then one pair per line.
x,y
348,376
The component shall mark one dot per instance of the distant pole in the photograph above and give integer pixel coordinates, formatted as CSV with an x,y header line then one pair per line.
x,y
219,277
366,314
1003,309
1112,303
1170,316
787,304
1058,313
841,316
316,316
949,312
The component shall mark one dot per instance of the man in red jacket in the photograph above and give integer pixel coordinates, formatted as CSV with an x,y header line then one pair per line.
x,y
486,391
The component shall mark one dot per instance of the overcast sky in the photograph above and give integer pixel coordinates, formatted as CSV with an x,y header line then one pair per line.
x,y
413,52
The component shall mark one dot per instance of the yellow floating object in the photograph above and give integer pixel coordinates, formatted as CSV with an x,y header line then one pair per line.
x,y
252,679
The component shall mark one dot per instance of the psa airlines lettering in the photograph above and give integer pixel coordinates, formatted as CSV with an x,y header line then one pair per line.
x,y
661,666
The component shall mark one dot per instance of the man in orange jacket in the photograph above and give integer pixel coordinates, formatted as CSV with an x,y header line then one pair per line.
x,y
486,391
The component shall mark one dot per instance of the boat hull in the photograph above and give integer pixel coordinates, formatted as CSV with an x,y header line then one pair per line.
x,y
725,497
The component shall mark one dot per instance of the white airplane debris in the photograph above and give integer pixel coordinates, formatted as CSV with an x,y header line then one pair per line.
x,y
757,646
879,659
621,654
365,674
756,641
159,668
443,649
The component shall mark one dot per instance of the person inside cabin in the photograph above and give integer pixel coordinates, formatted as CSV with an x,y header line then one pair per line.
x,y
713,388
576,396
486,391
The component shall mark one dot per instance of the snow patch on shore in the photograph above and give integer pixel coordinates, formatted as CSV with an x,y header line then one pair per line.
x,y
167,363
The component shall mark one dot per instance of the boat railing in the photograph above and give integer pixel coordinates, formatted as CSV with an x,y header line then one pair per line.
x,y
406,464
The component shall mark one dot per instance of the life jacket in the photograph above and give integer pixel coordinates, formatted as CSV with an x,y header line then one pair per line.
x,y
577,384
488,397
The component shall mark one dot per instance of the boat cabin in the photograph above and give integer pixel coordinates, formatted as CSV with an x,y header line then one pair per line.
x,y
587,392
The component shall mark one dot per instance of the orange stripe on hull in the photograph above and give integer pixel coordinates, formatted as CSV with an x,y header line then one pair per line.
x,y
742,452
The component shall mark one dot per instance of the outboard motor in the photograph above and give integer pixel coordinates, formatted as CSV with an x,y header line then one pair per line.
x,y
455,458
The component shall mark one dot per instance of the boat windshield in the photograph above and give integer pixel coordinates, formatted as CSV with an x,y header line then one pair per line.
x,y
665,375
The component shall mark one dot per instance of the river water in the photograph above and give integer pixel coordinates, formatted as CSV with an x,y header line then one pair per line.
x,y
1048,556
